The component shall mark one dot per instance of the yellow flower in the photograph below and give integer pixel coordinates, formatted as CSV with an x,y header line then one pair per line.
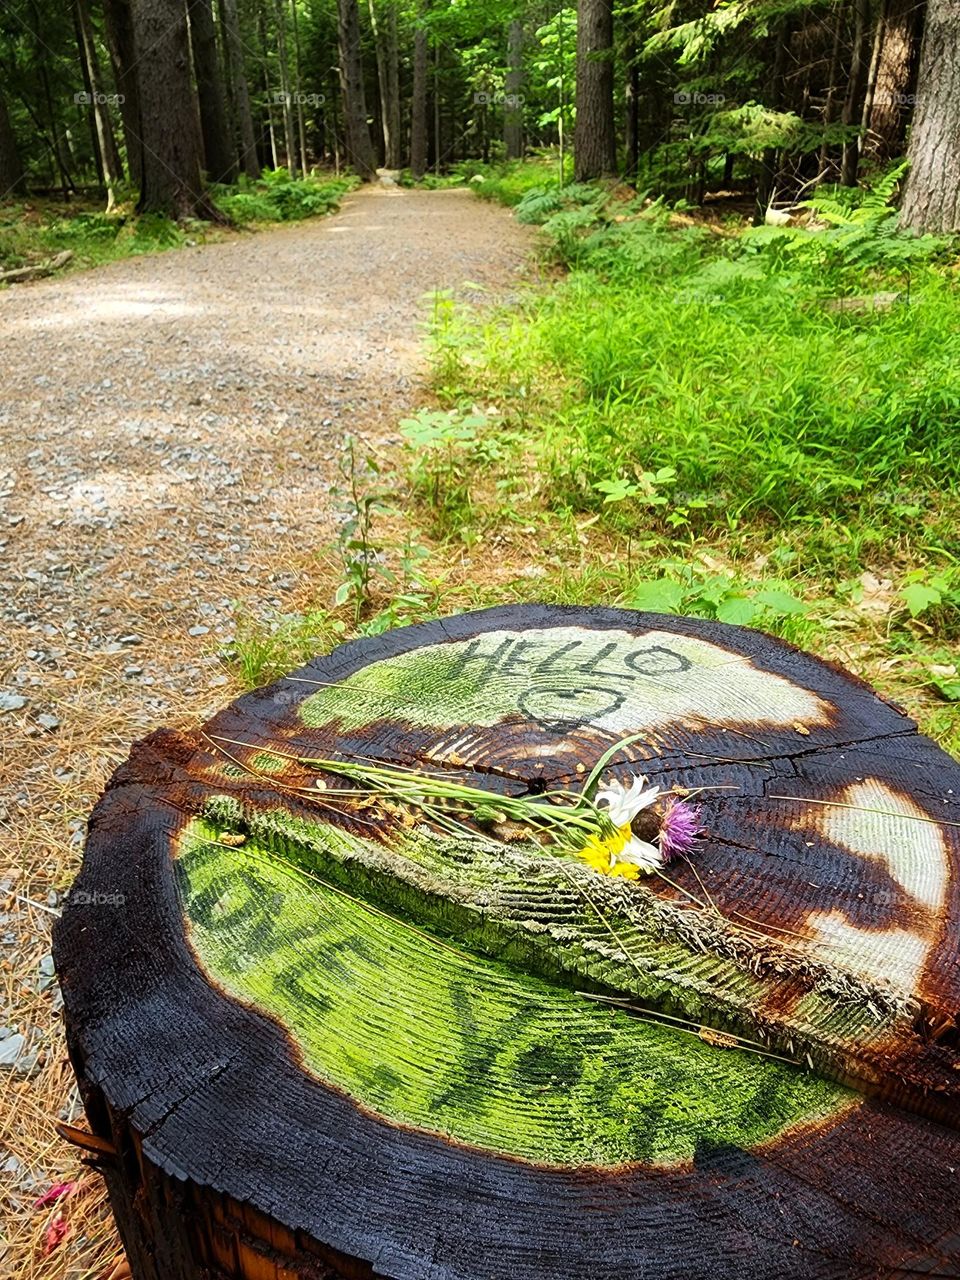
x,y
601,853
621,853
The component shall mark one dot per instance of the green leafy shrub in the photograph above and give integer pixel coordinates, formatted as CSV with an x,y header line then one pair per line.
x,y
771,606
276,197
442,449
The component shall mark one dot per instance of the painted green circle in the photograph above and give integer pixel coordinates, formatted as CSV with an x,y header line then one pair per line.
x,y
429,1035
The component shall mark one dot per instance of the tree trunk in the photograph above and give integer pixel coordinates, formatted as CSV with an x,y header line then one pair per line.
x,y
513,93
290,137
239,90
90,113
931,200
418,104
359,148
631,103
825,161
594,143
59,143
120,41
106,139
437,115
856,89
11,167
298,78
171,163
220,156
770,157
896,75
268,138
388,76
323,1030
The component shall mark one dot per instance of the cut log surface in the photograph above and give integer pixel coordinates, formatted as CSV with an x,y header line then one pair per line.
x,y
328,1037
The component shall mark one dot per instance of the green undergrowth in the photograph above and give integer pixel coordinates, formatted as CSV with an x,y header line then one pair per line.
x,y
34,231
276,197
755,425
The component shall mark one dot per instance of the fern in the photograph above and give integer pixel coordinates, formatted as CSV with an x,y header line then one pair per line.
x,y
538,204
857,207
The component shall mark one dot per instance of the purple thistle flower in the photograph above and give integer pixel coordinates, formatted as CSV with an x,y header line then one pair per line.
x,y
679,829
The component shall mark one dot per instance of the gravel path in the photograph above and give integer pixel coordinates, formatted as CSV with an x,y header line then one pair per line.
x,y
169,430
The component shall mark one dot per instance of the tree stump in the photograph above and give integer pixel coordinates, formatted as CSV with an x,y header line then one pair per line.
x,y
318,1035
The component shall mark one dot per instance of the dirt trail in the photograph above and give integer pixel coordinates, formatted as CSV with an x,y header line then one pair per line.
x,y
169,429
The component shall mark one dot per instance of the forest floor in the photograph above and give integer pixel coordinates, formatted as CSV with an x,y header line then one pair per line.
x,y
170,430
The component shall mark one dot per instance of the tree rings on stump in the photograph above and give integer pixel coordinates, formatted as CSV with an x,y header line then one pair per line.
x,y
329,1034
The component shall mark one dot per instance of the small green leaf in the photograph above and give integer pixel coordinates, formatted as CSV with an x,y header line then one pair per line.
x,y
616,490
779,601
661,595
949,689
917,596
343,594
736,609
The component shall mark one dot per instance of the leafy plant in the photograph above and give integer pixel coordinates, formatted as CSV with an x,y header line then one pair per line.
x,y
359,501
771,605
442,447
276,197
932,594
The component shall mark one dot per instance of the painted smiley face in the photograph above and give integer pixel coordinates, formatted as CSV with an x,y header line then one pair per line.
x,y
568,707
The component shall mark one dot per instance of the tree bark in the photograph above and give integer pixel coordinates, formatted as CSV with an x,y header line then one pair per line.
x,y
931,200
594,144
418,104
221,165
171,163
239,90
12,180
513,93
120,41
359,148
895,78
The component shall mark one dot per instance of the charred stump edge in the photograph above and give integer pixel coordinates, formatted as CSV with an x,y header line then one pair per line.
x,y
403,1204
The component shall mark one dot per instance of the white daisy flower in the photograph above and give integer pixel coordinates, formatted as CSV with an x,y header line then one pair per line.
x,y
624,803
622,853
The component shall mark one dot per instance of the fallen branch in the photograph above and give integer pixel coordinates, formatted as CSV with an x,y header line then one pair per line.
x,y
19,274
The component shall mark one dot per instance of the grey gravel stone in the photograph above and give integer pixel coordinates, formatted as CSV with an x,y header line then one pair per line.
x,y
11,1049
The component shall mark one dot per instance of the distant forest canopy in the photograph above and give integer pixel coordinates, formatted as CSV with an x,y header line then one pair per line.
x,y
767,98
